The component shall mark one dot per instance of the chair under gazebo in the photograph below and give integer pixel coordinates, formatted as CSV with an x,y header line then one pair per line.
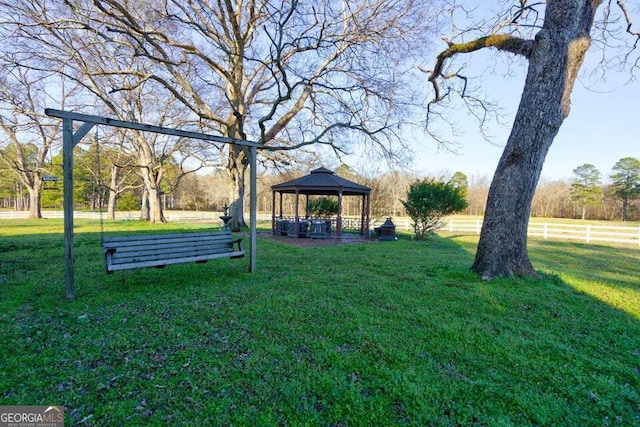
x,y
319,182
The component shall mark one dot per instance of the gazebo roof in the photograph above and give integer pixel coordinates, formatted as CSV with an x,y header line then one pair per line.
x,y
321,181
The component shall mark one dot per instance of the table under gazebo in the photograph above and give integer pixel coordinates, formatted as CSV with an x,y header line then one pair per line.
x,y
319,182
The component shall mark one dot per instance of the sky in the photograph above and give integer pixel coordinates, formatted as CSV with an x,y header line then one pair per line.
x,y
602,128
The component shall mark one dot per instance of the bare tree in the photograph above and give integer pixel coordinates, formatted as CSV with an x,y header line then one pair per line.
x,y
112,167
387,192
552,199
287,74
553,37
477,195
121,174
28,135
48,35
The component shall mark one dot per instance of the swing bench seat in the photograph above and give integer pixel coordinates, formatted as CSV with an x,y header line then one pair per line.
x,y
158,250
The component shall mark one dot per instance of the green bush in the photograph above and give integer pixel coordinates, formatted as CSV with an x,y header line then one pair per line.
x,y
323,206
128,202
428,201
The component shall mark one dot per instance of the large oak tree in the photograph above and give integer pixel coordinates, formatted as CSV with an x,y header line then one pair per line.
x,y
288,74
554,37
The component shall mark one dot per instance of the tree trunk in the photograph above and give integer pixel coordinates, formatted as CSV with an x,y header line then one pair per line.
x,y
152,179
156,215
236,207
35,207
17,193
625,209
554,63
154,199
144,205
237,172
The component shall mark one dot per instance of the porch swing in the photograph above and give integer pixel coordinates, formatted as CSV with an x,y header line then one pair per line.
x,y
71,137
160,250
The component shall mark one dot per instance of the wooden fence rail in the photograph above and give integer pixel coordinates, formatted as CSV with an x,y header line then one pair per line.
x,y
562,231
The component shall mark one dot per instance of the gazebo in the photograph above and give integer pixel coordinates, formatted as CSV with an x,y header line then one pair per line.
x,y
319,182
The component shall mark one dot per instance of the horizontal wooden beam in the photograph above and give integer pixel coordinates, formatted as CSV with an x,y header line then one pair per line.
x,y
87,118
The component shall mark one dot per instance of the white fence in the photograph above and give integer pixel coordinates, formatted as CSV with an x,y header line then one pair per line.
x,y
547,229
588,233
561,231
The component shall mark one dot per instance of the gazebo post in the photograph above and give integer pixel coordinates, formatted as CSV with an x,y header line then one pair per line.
x,y
273,212
362,207
339,219
296,230
368,211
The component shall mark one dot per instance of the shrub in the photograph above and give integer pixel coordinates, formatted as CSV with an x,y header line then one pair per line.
x,y
128,202
428,201
323,206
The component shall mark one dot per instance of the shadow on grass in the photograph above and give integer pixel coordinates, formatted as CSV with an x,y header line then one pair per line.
x,y
606,264
382,333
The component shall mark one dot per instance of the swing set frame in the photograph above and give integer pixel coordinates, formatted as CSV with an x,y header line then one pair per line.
x,y
70,139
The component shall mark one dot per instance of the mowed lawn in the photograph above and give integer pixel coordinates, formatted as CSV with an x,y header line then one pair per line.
x,y
368,334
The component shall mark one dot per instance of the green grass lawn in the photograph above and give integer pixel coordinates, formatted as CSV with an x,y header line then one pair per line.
x,y
381,333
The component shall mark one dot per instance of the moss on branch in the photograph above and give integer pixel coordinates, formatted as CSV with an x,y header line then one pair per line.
x,y
503,42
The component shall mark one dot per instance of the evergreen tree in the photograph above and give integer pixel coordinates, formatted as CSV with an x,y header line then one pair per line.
x,y
459,180
626,182
585,186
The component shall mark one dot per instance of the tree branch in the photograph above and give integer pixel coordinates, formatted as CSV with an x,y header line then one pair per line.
x,y
627,17
502,42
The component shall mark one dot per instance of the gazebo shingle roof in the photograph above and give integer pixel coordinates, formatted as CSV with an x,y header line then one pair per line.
x,y
321,181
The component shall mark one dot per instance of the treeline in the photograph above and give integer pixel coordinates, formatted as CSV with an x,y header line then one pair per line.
x,y
104,178
585,196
